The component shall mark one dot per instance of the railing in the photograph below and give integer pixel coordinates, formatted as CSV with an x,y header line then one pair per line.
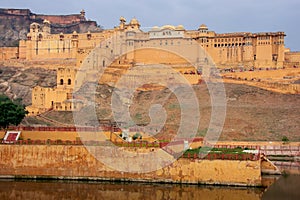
x,y
79,142
255,147
286,150
162,145
223,156
65,129
138,144
42,142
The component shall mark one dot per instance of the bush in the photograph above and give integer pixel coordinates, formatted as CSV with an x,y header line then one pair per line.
x,y
136,136
285,139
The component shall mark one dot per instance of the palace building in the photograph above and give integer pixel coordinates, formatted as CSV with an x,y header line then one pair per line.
x,y
227,50
164,45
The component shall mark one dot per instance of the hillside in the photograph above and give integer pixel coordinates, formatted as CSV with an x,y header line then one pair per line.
x,y
18,82
252,113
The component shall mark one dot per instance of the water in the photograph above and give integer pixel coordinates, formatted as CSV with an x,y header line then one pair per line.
x,y
283,188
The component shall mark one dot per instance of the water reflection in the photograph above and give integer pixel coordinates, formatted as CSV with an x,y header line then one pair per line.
x,y
286,187
91,190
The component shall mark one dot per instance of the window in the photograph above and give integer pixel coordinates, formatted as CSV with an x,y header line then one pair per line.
x,y
40,37
61,81
69,81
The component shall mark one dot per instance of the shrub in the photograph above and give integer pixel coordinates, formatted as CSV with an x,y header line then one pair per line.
x,y
285,139
136,136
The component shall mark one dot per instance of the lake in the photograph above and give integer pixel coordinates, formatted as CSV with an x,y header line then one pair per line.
x,y
285,187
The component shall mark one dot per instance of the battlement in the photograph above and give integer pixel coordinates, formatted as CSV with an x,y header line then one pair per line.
x,y
62,19
55,19
11,11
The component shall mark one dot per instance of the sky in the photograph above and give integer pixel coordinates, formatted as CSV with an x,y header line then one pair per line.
x,y
221,16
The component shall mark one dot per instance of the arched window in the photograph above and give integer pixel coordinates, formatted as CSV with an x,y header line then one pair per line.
x,y
69,81
40,37
61,81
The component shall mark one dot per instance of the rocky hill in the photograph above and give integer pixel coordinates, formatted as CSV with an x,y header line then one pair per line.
x,y
14,24
252,113
18,82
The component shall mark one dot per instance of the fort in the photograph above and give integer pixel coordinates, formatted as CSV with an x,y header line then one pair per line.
x,y
230,49
56,19
243,58
70,159
15,24
242,50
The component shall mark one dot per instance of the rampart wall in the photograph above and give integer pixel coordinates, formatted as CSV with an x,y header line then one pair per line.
x,y
7,53
69,161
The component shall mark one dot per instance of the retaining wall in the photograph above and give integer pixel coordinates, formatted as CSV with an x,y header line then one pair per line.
x,y
68,161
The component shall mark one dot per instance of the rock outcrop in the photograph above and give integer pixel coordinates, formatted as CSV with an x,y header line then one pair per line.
x,y
18,82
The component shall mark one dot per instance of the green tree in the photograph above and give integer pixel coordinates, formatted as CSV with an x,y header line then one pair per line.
x,y
11,113
285,139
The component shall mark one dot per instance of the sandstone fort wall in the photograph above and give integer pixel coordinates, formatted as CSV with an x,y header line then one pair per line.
x,y
75,162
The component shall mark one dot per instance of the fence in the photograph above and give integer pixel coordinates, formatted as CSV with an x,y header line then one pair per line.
x,y
162,145
255,147
223,156
65,129
285,150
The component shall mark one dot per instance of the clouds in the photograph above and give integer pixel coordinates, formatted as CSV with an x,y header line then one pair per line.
x,y
219,15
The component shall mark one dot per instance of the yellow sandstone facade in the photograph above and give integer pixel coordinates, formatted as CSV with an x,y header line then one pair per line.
x,y
229,50
59,98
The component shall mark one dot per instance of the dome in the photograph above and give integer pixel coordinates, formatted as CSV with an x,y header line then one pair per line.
x,y
180,27
168,27
46,21
134,21
155,28
34,24
74,33
122,19
203,26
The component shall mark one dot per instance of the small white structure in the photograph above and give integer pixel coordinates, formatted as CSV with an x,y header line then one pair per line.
x,y
125,134
185,145
11,136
